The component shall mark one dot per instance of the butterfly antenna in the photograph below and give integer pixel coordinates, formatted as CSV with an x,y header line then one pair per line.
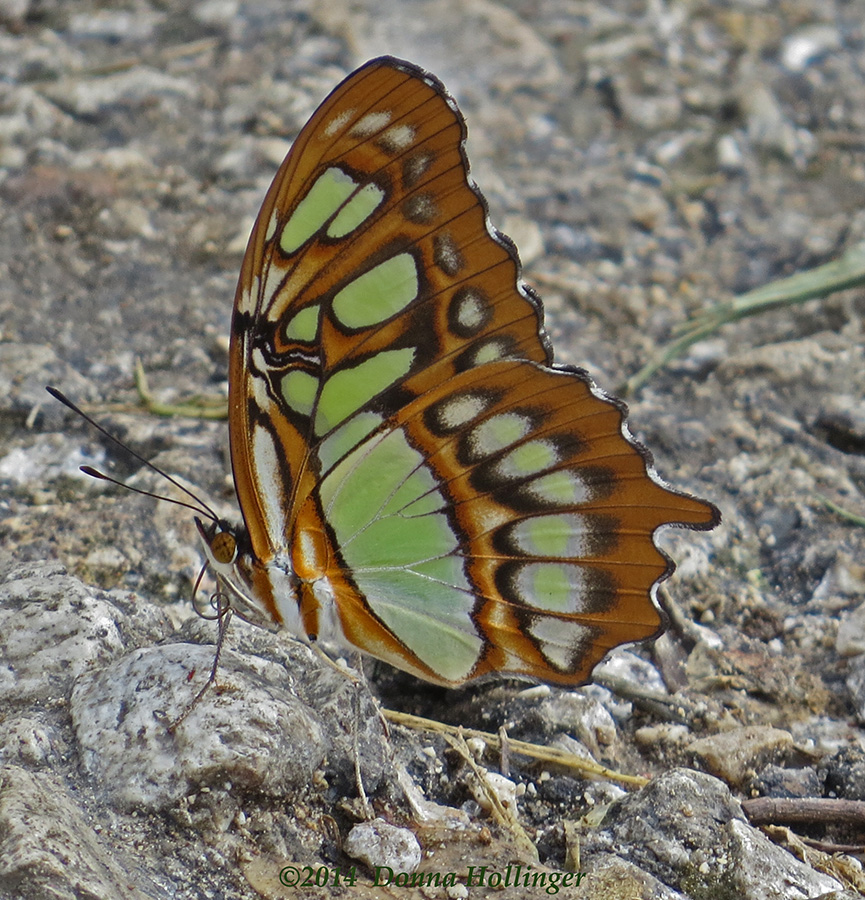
x,y
202,507
95,473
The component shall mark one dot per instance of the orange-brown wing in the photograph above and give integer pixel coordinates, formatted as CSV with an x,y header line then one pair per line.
x,y
378,173
406,460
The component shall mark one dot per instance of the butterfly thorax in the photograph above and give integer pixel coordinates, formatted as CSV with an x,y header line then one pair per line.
x,y
278,589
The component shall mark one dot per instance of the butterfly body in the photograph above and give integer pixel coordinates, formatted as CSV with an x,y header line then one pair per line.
x,y
416,479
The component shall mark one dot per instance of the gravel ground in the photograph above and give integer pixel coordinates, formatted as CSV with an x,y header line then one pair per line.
x,y
649,159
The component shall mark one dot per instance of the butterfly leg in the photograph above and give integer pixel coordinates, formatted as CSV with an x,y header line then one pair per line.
x,y
224,617
353,671
358,774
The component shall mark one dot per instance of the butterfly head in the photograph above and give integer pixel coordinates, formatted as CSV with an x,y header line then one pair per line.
x,y
229,555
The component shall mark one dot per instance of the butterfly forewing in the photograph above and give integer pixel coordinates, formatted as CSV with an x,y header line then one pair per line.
x,y
413,476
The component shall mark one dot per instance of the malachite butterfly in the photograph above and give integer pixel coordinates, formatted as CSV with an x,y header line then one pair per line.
x,y
415,477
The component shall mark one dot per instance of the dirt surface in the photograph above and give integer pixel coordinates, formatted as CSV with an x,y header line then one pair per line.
x,y
648,159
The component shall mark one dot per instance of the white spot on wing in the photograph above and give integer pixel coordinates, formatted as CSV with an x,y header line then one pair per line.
x,y
398,138
460,409
337,123
446,254
490,517
471,313
273,279
489,351
416,167
259,388
370,124
245,303
420,208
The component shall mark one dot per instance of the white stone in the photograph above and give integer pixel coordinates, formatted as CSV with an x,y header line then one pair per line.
x,y
378,843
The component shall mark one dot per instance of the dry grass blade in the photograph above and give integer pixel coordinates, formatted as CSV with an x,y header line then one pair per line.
x,y
551,755
838,275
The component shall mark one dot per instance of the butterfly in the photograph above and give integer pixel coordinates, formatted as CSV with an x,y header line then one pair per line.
x,y
417,480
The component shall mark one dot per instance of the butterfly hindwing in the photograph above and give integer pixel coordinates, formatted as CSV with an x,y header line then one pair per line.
x,y
492,525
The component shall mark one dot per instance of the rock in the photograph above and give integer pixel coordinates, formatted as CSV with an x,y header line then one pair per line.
x,y
379,844
47,848
845,774
29,742
609,877
687,830
504,792
251,731
54,628
580,715
856,685
775,781
735,755
850,640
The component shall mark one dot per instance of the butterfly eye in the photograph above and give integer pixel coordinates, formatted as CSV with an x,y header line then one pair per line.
x,y
223,547
219,540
